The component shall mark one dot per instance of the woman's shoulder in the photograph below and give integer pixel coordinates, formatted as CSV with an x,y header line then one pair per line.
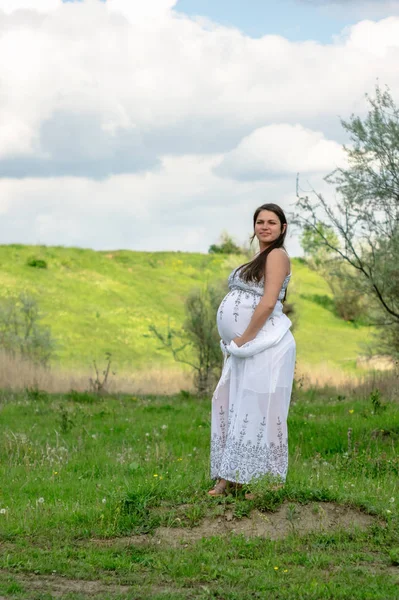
x,y
281,256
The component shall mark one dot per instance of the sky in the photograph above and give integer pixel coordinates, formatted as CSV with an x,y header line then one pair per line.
x,y
158,125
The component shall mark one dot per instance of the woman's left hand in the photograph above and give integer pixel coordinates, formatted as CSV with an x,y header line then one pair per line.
x,y
238,341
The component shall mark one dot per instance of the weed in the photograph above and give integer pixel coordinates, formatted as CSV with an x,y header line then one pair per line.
x,y
292,515
375,398
98,385
34,394
64,420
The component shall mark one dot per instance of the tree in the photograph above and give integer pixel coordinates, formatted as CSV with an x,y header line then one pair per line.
x,y
21,330
226,246
348,302
313,246
361,228
197,343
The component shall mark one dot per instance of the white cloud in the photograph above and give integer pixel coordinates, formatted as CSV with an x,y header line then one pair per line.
x,y
9,6
380,39
281,150
136,9
142,88
120,115
183,205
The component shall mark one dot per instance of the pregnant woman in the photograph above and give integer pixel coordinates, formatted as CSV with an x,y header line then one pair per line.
x,y
251,401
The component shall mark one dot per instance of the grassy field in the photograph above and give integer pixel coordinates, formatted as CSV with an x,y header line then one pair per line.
x,y
106,498
105,301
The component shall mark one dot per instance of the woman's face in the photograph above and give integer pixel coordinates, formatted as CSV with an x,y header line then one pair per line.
x,y
268,228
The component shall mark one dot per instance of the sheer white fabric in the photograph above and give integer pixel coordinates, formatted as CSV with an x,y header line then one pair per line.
x,y
251,401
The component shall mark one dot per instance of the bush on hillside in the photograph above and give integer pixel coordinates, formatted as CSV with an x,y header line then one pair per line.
x,y
21,331
197,343
226,246
37,263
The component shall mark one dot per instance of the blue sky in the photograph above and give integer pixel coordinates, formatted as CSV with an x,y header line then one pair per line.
x,y
295,20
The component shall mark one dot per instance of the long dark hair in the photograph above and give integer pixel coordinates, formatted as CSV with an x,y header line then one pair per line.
x,y
255,269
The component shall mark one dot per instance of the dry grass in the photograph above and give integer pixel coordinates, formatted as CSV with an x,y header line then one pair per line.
x,y
387,382
18,374
363,383
324,374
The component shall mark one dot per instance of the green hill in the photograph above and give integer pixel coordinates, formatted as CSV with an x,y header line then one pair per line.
x,y
104,301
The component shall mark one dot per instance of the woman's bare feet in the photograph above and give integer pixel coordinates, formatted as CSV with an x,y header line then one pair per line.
x,y
219,489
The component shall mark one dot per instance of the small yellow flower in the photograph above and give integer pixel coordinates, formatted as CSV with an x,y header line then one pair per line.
x,y
155,474
276,568
55,472
285,571
179,459
161,477
351,411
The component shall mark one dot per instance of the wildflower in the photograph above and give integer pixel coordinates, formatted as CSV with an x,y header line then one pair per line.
x,y
161,477
55,472
392,500
164,427
104,500
3,511
40,500
276,568
179,459
389,511
285,571
147,434
351,411
155,474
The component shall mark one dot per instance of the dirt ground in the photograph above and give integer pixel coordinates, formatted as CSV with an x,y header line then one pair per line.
x,y
301,519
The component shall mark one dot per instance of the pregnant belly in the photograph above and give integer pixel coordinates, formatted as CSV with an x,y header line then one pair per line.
x,y
235,313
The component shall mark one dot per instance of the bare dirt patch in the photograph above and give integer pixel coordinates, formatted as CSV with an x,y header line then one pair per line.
x,y
60,586
302,519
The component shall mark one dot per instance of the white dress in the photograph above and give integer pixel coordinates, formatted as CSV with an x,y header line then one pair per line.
x,y
251,401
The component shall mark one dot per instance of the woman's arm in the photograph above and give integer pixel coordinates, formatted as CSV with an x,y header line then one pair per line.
x,y
277,264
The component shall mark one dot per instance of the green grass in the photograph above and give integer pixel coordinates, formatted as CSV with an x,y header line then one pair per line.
x,y
78,474
97,302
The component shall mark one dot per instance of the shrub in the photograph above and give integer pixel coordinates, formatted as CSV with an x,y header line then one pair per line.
x,y
226,246
37,263
197,343
21,331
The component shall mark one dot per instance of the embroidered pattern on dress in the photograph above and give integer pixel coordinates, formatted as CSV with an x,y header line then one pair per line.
x,y
253,287
254,303
221,307
236,305
236,460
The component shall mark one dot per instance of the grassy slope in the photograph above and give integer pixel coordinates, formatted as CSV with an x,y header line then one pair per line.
x,y
105,301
